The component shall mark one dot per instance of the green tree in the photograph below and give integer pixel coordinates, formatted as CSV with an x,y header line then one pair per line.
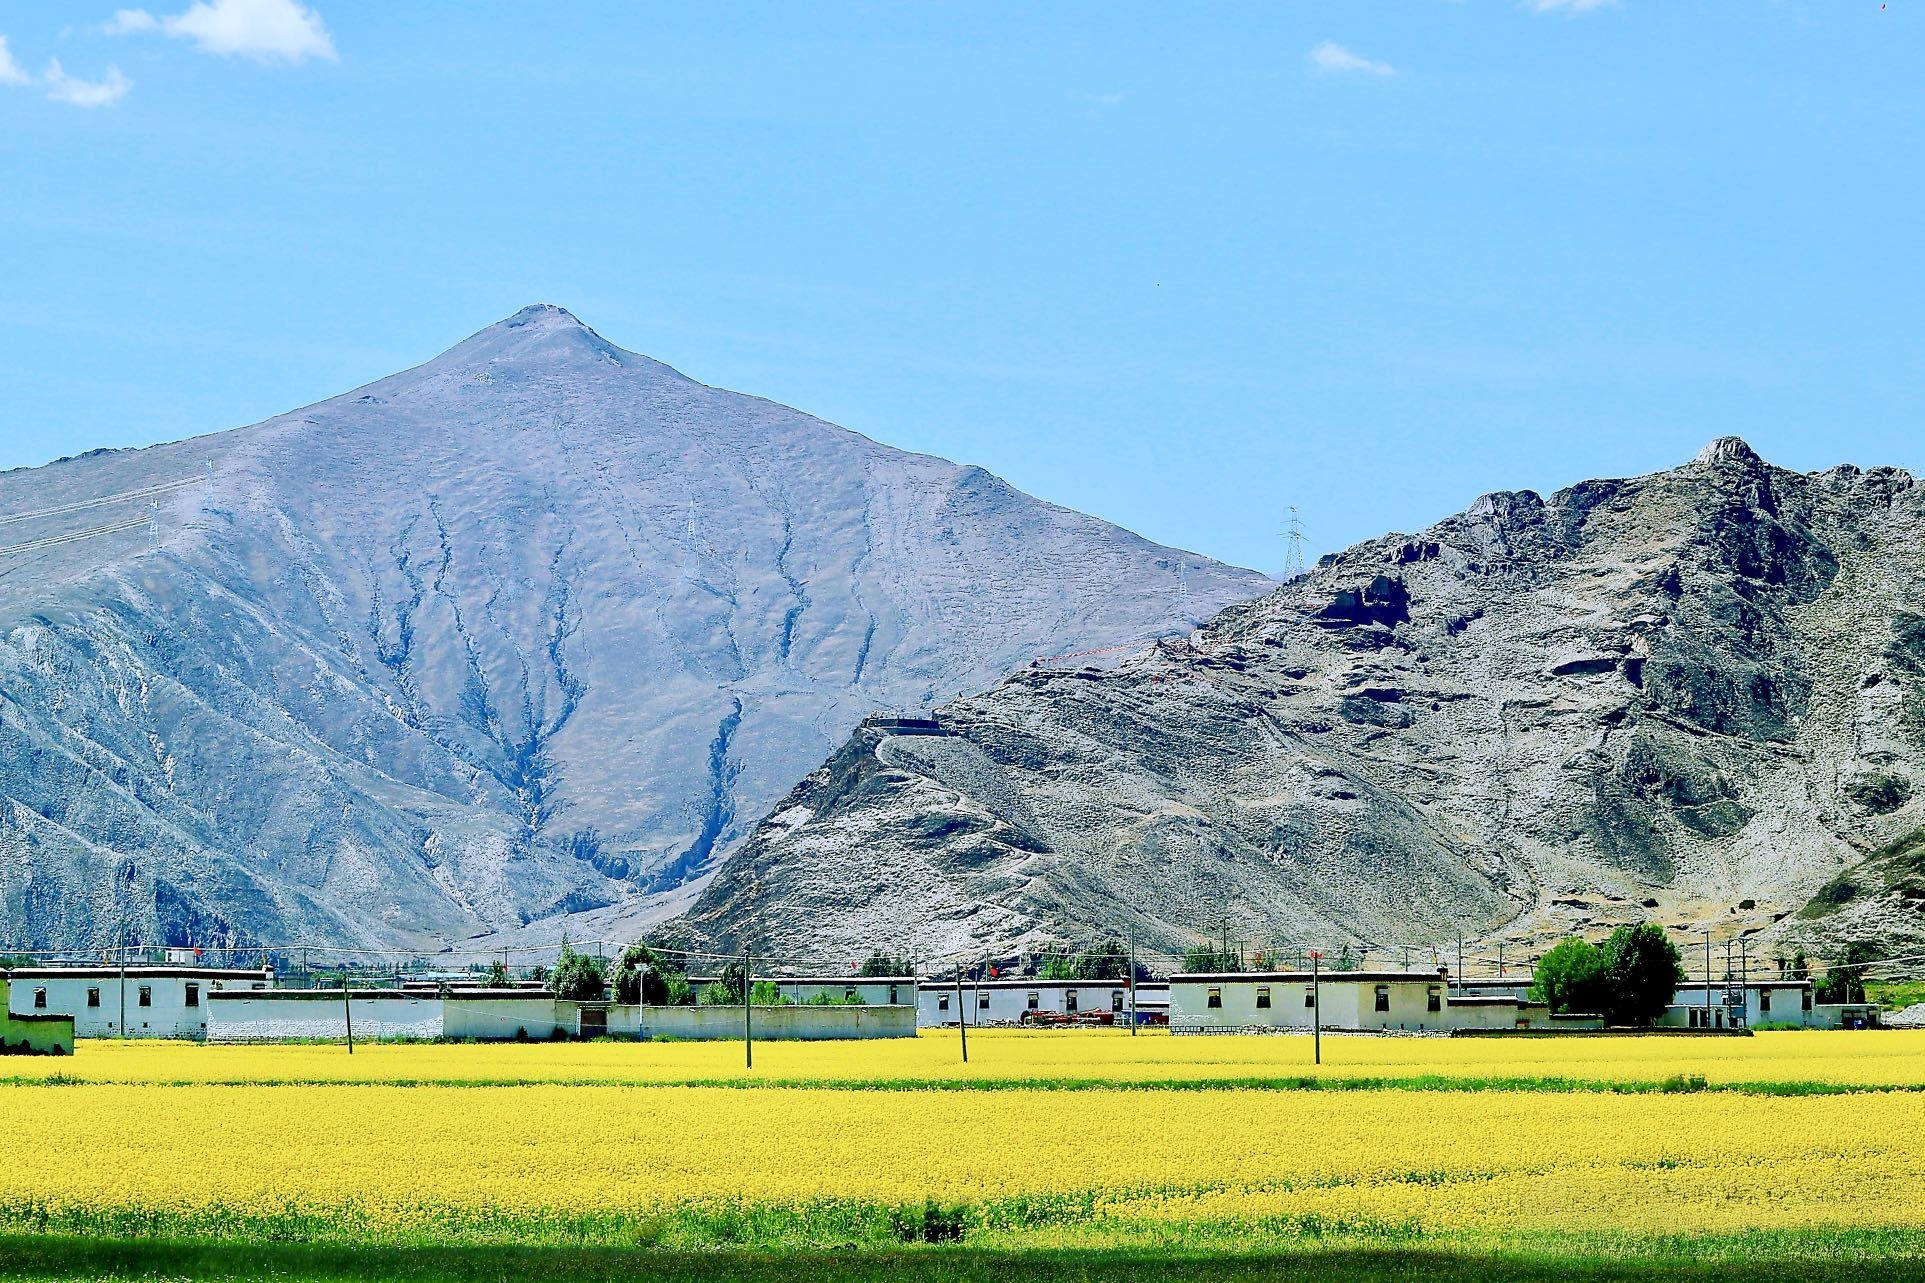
x,y
577,976
1346,959
1571,977
716,994
497,974
1107,961
1642,972
680,992
879,963
767,993
642,975
1206,957
1800,966
1844,978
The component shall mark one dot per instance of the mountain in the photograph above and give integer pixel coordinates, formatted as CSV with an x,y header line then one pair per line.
x,y
1696,696
536,629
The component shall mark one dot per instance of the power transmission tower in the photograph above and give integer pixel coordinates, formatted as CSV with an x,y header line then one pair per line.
x,y
1293,545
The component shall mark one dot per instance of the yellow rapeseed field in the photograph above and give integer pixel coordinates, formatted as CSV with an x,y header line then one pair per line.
x,y
391,1160
1878,1058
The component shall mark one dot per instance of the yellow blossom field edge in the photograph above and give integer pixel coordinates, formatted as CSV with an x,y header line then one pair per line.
x,y
694,1166
1787,1061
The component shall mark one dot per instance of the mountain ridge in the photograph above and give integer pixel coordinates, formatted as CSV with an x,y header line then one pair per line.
x,y
452,652
1695,695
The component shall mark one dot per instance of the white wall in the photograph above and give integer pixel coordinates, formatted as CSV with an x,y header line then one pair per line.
x,y
808,1024
1005,1002
167,1014
1348,999
874,991
497,1016
317,1013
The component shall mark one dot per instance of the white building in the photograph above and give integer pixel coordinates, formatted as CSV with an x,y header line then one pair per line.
x,y
1411,1001
867,991
1015,1002
155,1002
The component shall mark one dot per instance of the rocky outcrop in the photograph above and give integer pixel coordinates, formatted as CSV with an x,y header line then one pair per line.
x,y
530,634
1696,695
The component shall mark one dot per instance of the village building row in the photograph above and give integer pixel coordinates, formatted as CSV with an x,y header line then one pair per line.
x,y
223,1004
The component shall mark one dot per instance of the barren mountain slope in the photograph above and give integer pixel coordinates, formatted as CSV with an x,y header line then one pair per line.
x,y
1695,695
537,628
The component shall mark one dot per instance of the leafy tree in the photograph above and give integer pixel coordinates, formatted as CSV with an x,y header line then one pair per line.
x,y
767,993
1571,977
1107,961
885,964
642,975
680,992
497,974
1642,972
716,994
735,977
1800,966
1346,959
577,976
1206,957
1844,978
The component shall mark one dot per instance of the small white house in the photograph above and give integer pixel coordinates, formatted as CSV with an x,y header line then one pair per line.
x,y
867,991
155,1002
1015,1002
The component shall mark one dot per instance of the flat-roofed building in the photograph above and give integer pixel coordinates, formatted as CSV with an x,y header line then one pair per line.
x,y
1031,1001
156,1001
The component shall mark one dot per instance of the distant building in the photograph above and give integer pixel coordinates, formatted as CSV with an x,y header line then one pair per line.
x,y
1020,1001
157,1002
1375,1001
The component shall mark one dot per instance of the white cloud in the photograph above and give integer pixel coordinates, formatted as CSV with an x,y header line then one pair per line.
x,y
128,20
75,92
10,71
265,30
1331,56
1567,6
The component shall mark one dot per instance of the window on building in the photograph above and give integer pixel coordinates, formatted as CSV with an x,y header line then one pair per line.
x,y
982,1000
1434,1000
1383,997
1116,1000
1035,1000
849,994
1263,996
942,1002
1309,996
39,999
193,995
1069,1000
1764,1000
1213,997
1805,1005
147,995
892,995
93,996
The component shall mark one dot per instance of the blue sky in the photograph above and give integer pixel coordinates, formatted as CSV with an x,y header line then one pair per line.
x,y
1178,265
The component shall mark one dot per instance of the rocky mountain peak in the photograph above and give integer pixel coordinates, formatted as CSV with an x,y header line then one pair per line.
x,y
1650,697
1730,450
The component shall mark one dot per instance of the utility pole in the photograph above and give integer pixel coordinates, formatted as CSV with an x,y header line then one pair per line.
x,y
962,1015
1132,982
1316,1004
1500,959
1460,962
121,940
1707,980
347,1010
748,987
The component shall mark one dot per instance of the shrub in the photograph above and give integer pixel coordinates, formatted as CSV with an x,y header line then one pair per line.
x,y
716,994
879,963
1844,978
